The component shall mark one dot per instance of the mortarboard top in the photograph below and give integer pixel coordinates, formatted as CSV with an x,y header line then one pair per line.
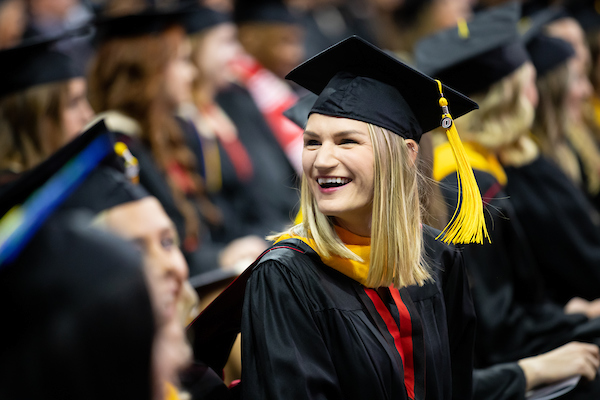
x,y
472,61
356,80
545,52
151,20
269,11
199,18
27,202
33,62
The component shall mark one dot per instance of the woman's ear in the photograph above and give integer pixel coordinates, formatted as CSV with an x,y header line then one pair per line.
x,y
413,150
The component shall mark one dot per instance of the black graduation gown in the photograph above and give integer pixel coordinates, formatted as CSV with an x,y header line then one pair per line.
x,y
237,200
275,183
514,318
310,332
562,228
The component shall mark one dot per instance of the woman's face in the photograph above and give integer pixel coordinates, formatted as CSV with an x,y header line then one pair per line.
x,y
219,48
579,88
145,223
529,87
77,112
179,76
338,165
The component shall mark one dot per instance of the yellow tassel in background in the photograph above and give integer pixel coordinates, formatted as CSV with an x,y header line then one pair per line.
x,y
468,222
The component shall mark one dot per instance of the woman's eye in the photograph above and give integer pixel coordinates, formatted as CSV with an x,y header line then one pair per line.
x,y
311,143
348,141
167,242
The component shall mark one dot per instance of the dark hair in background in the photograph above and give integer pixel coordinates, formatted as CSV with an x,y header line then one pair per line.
x,y
31,125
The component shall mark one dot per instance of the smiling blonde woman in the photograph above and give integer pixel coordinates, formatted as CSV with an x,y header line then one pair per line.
x,y
359,300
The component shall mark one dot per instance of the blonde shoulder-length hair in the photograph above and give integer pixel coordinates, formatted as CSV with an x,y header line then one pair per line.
x,y
505,114
397,251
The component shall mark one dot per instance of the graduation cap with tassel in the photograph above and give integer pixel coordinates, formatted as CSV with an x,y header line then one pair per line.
x,y
26,203
354,79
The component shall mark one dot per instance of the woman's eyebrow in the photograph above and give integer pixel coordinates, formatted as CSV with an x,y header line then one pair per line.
x,y
340,133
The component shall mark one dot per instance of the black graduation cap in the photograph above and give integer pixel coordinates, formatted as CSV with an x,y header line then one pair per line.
x,y
200,18
105,188
300,111
356,80
271,11
27,202
33,62
545,52
151,20
472,60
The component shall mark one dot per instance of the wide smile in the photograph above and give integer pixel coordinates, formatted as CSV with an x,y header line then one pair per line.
x,y
333,182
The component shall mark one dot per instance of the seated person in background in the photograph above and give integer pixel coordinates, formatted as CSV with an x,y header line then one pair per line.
x,y
141,75
79,315
43,104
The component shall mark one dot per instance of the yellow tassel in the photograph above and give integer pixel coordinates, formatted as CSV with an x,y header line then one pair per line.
x,y
468,222
463,28
132,168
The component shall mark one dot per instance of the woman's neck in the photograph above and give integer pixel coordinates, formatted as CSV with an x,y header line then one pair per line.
x,y
360,228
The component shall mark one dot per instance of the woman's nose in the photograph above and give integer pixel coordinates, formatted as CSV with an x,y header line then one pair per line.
x,y
325,158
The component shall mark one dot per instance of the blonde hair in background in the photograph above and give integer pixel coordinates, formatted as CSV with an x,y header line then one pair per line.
x,y
550,125
31,125
504,115
397,254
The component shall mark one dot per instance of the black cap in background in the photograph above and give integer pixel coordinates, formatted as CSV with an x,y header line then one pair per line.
x,y
546,53
34,62
491,50
36,195
269,11
151,20
356,80
199,18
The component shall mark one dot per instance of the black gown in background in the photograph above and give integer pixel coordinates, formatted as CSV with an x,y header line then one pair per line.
x,y
275,183
310,332
562,228
514,318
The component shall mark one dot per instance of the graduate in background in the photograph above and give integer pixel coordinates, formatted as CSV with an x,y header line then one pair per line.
x,y
43,103
343,286
141,74
81,318
227,167
515,317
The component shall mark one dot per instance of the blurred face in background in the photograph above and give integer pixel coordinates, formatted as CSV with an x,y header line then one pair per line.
x,y
12,22
77,112
579,88
218,48
530,88
278,47
446,13
179,76
145,223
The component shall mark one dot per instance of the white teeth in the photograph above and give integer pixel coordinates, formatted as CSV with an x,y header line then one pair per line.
x,y
339,181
